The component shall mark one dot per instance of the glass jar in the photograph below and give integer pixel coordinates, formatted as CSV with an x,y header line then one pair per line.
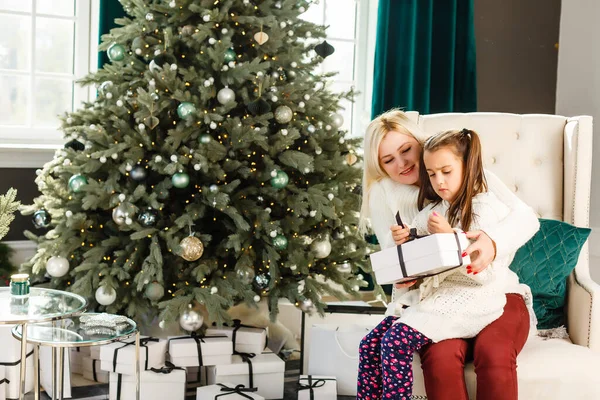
x,y
19,285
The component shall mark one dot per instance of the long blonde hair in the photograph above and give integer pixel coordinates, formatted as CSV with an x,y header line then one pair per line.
x,y
392,120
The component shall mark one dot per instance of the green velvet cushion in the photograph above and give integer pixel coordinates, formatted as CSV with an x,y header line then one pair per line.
x,y
544,263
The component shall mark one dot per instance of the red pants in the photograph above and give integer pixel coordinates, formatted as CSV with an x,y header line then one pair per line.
x,y
494,353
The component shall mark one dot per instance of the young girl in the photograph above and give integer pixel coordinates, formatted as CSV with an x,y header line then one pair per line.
x,y
458,303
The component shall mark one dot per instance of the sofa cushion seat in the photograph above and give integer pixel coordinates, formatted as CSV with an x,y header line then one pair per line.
x,y
547,369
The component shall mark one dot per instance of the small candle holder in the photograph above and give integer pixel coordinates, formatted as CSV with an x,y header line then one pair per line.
x,y
19,285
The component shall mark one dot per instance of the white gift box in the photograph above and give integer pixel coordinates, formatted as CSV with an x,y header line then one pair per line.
x,y
94,352
46,371
13,374
426,256
91,370
210,392
247,339
267,368
153,386
183,351
323,387
152,354
10,350
3,382
76,362
83,351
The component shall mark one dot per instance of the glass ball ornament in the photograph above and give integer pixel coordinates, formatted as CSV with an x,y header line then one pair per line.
x,y
191,248
307,306
185,110
245,275
204,138
229,55
105,87
41,219
105,296
180,180
191,320
283,114
337,120
261,281
321,247
138,173
77,183
148,217
280,242
225,95
154,291
280,180
116,52
57,266
344,267
122,213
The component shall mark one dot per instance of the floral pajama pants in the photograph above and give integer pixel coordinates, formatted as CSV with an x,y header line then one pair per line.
x,y
385,361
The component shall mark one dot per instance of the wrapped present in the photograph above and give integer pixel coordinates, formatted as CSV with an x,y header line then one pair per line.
x,y
167,382
46,371
12,372
82,351
317,387
3,382
227,391
91,370
419,258
76,361
10,351
95,352
197,351
245,338
120,357
263,371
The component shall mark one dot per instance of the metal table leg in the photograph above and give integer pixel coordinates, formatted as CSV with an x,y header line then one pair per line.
x,y
23,361
54,390
61,367
137,365
36,371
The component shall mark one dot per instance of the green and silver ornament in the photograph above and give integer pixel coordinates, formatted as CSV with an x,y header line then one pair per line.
x,y
116,52
280,242
77,183
280,180
41,219
186,110
180,180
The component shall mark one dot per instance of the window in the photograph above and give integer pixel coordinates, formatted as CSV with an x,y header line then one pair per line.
x,y
352,25
45,46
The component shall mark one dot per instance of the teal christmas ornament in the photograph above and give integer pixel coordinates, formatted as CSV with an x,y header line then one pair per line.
x,y
116,52
77,183
180,180
229,55
204,138
280,180
41,219
185,110
280,242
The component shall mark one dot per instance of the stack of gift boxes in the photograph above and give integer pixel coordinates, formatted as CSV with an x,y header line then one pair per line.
x,y
10,365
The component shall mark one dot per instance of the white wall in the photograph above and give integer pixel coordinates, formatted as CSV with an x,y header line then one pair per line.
x,y
578,91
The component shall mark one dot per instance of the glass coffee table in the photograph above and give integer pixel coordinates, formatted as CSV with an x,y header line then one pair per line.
x,y
70,332
41,305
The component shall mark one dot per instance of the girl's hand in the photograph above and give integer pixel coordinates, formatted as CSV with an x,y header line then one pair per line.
x,y
401,285
438,224
400,234
482,251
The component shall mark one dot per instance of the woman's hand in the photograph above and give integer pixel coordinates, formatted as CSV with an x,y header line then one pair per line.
x,y
438,224
400,234
482,251
401,285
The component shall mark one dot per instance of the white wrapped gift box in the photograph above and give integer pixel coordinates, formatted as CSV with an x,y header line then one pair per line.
x,y
3,382
267,374
10,350
183,350
91,370
13,375
46,371
225,391
426,256
248,339
317,387
76,363
119,357
153,386
94,352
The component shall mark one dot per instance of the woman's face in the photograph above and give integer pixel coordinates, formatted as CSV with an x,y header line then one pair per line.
x,y
399,155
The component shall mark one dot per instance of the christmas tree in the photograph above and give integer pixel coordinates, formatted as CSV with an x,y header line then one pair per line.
x,y
210,170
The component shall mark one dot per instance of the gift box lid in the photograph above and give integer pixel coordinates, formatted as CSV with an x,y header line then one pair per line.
x,y
420,248
244,335
126,350
209,392
185,346
149,376
261,364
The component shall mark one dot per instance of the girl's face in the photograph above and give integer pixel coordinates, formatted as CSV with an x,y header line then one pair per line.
x,y
399,155
445,170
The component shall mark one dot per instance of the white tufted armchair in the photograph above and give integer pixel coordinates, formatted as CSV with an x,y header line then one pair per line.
x,y
547,161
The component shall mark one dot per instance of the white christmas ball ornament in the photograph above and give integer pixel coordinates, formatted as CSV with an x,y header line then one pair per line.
x,y
337,120
225,95
256,298
57,266
191,320
321,248
105,296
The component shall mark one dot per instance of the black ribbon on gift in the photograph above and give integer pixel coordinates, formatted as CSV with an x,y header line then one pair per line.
x,y
119,381
94,374
237,324
143,343
319,382
167,369
12,364
4,381
239,389
198,339
246,357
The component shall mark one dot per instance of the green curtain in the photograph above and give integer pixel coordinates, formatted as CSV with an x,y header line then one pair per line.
x,y
425,56
109,10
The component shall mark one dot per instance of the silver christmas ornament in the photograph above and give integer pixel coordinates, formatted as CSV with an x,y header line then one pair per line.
x,y
261,281
138,173
321,247
154,291
123,212
148,217
307,306
41,219
105,296
337,120
191,320
245,275
283,114
57,266
344,267
225,95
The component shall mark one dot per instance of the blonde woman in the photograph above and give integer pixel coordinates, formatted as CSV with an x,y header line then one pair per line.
x,y
393,147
